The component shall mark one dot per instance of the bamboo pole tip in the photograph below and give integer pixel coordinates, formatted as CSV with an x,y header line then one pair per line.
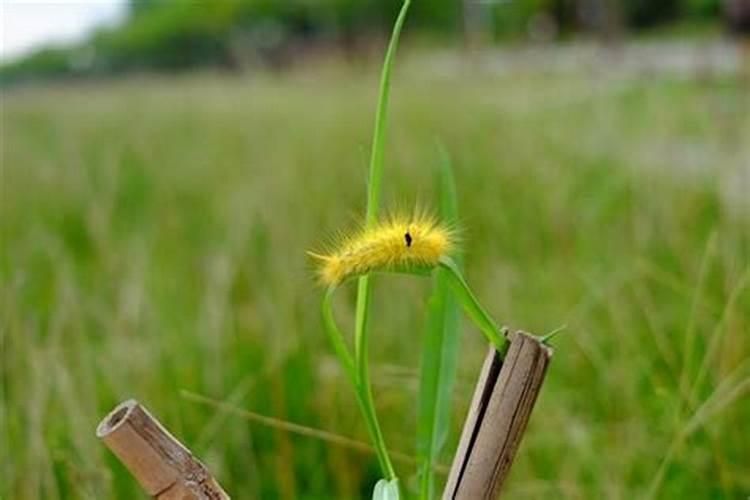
x,y
503,400
116,418
162,465
536,341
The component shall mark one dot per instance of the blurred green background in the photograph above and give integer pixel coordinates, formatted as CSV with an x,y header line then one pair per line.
x,y
154,229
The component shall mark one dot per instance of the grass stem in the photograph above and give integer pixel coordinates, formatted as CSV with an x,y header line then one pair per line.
x,y
364,286
472,307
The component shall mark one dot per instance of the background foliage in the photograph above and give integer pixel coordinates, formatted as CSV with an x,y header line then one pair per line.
x,y
154,232
230,34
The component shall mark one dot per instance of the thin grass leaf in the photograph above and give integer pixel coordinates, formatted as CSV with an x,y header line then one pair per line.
x,y
226,408
361,385
440,353
472,307
335,336
381,120
364,286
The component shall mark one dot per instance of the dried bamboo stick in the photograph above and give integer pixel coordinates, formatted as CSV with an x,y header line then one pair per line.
x,y
160,463
500,409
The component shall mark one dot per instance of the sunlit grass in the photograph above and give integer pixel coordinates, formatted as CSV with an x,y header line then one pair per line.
x,y
151,243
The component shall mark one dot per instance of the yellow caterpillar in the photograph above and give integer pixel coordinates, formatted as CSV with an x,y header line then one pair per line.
x,y
396,243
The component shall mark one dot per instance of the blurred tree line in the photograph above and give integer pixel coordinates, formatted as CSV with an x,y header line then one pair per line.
x,y
177,34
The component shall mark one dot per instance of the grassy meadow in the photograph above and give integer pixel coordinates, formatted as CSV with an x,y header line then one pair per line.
x,y
153,246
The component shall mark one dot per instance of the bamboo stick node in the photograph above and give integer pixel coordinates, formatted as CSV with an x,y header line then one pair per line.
x,y
162,465
500,409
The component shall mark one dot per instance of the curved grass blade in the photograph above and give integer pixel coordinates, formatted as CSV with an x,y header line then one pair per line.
x,y
361,389
373,200
335,336
381,120
472,307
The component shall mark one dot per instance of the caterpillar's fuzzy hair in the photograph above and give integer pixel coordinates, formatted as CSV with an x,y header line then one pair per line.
x,y
396,243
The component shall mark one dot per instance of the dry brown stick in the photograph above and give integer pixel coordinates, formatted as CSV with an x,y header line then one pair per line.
x,y
500,409
162,465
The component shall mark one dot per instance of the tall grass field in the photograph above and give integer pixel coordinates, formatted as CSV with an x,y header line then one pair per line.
x,y
153,242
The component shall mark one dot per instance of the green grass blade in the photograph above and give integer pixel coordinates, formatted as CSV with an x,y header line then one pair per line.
x,y
373,202
439,355
472,307
335,336
361,386
376,177
381,120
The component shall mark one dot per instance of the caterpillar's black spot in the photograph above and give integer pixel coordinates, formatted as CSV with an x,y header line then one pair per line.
x,y
408,239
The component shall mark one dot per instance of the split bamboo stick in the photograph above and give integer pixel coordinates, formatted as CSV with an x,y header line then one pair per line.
x,y
500,409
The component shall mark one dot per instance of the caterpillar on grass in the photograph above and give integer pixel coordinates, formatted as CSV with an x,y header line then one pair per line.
x,y
397,243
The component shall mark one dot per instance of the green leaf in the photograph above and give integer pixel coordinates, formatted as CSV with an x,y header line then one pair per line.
x,y
381,120
386,490
472,307
439,355
335,336
364,286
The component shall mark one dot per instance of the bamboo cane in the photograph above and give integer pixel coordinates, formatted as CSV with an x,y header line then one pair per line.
x,y
160,463
500,409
